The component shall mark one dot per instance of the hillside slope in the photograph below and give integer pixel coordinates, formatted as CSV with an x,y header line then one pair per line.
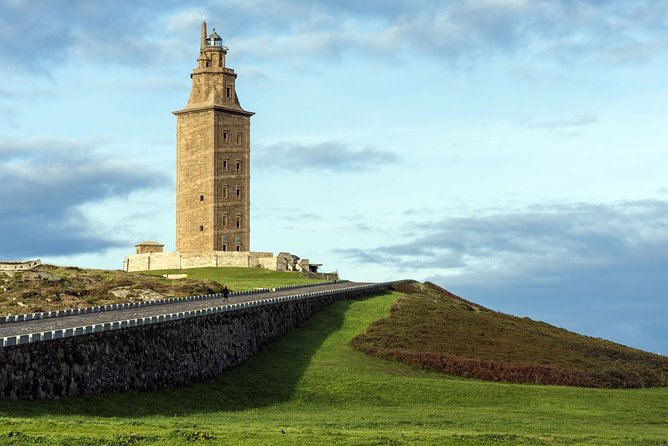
x,y
432,328
48,287
310,388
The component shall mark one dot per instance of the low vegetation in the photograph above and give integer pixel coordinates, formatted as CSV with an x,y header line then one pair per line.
x,y
432,328
48,287
244,278
312,388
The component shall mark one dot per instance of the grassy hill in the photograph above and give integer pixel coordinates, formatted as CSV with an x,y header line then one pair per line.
x,y
434,329
48,287
312,388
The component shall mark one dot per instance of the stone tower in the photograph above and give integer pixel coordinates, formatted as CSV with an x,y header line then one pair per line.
x,y
212,158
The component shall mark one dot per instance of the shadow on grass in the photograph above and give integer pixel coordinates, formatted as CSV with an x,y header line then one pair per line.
x,y
271,377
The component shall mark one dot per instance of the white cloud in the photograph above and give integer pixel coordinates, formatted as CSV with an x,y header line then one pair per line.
x,y
326,156
454,32
46,183
584,119
549,236
590,268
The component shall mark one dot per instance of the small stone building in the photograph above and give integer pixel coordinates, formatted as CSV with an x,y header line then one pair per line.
x,y
12,266
149,247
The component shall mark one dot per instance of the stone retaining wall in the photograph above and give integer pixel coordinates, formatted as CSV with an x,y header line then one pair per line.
x,y
156,356
147,303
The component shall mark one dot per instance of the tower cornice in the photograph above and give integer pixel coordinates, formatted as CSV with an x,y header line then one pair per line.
x,y
203,108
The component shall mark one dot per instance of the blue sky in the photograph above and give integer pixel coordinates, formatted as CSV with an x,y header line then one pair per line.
x,y
513,151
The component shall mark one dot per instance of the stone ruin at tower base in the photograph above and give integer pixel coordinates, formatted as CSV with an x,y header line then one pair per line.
x,y
283,261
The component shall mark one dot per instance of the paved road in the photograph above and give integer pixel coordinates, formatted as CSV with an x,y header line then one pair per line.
x,y
58,323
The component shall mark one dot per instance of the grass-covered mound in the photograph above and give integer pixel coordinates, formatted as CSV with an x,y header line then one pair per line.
x,y
432,328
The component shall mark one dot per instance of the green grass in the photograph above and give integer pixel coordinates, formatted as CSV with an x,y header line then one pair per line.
x,y
240,279
433,328
315,388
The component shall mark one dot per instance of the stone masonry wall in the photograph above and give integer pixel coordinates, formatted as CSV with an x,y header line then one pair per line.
x,y
177,260
19,266
152,357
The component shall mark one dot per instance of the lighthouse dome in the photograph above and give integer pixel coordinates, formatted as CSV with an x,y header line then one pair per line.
x,y
214,39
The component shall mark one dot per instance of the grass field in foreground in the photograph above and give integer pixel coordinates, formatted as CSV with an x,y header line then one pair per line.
x,y
311,388
240,279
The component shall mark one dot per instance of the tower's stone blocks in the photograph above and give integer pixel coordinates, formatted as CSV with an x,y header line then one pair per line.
x,y
213,178
213,158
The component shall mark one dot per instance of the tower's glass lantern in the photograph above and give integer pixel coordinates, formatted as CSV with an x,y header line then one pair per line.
x,y
214,39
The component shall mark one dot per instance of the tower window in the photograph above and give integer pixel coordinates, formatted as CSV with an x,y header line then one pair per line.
x,y
238,248
225,224
228,91
225,165
201,198
225,193
201,228
238,193
239,221
239,139
224,247
238,166
225,136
